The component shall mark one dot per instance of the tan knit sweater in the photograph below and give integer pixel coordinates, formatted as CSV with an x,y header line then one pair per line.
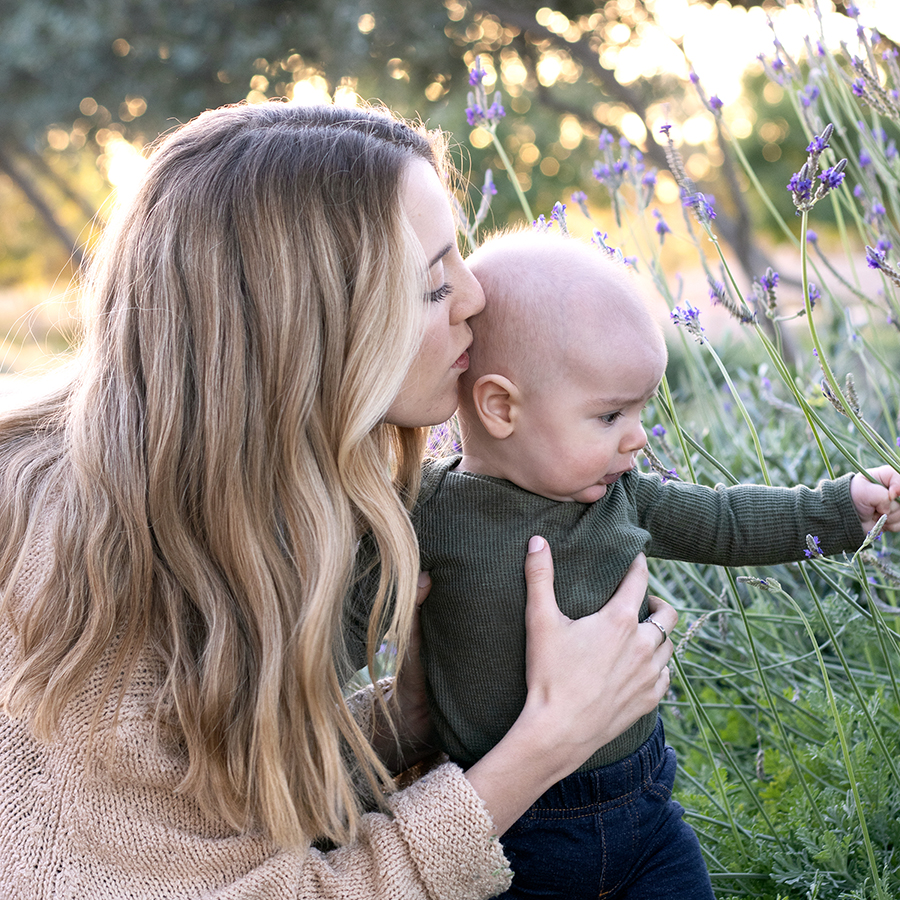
x,y
70,828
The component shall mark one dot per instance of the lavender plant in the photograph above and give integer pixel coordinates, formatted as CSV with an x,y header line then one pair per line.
x,y
785,709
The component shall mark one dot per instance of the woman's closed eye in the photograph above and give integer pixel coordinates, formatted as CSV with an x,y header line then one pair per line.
x,y
439,293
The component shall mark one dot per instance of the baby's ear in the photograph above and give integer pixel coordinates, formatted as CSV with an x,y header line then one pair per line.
x,y
496,400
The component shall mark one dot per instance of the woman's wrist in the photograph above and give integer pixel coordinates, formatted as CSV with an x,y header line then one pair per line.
x,y
521,767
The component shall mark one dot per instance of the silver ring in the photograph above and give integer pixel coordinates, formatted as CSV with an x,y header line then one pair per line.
x,y
665,633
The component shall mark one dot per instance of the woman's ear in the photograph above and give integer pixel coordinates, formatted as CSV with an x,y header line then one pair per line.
x,y
496,400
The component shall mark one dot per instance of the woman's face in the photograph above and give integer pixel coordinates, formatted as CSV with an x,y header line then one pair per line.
x,y
428,395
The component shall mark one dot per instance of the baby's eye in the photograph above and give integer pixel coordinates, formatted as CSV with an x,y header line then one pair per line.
x,y
610,418
440,293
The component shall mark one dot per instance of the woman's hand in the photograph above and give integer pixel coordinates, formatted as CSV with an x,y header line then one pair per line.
x,y
597,675
588,680
412,720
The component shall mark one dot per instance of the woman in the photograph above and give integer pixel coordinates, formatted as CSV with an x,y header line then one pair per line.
x,y
180,525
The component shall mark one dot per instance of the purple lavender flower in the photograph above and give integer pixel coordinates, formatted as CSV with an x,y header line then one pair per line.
x,y
864,159
476,76
496,110
800,186
689,318
859,88
811,236
665,129
703,209
662,229
802,182
658,431
649,179
814,294
601,172
809,95
884,244
875,259
558,215
819,143
764,289
479,110
715,103
716,290
833,177
813,547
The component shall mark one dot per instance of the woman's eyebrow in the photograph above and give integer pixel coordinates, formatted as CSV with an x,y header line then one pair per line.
x,y
441,254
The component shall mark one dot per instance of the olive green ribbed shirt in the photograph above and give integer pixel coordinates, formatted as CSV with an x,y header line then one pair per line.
x,y
473,532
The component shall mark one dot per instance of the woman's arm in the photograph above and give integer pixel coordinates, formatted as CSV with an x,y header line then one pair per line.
x,y
416,736
588,680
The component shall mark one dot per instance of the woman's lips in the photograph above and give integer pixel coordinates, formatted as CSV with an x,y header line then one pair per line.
x,y
462,362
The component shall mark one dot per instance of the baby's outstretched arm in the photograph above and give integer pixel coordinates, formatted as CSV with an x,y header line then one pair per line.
x,y
874,499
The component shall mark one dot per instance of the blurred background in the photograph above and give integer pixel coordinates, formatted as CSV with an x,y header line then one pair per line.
x,y
88,86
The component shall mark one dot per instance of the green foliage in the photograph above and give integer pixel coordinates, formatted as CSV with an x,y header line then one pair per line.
x,y
83,72
785,706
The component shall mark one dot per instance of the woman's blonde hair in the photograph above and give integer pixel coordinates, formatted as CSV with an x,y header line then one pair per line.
x,y
222,448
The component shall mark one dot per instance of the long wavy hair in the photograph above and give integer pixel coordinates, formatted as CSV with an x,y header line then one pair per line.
x,y
221,449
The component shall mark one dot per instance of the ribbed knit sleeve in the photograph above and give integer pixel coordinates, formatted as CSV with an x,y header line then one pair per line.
x,y
744,525
114,828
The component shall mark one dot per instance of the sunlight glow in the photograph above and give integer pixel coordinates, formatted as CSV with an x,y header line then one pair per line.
x,y
722,42
310,90
124,165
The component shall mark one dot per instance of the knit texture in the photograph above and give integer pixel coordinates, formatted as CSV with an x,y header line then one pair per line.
x,y
473,533
110,828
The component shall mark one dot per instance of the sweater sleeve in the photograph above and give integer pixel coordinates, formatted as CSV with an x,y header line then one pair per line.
x,y
746,525
103,828
117,824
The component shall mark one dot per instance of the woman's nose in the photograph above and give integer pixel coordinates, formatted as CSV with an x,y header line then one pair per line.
x,y
468,298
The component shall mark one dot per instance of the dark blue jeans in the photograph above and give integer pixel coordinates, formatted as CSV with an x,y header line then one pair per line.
x,y
613,832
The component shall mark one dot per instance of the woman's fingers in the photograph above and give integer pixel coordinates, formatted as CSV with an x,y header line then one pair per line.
x,y
602,672
663,614
541,610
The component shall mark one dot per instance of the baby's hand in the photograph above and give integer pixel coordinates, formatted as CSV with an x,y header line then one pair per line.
x,y
875,499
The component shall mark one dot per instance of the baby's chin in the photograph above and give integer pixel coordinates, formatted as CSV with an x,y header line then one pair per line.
x,y
590,494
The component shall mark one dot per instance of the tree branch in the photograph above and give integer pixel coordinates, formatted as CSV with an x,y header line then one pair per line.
x,y
41,207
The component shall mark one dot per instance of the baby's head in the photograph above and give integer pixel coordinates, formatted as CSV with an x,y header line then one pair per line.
x,y
565,357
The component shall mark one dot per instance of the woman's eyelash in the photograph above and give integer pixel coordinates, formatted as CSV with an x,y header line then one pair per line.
x,y
609,418
440,293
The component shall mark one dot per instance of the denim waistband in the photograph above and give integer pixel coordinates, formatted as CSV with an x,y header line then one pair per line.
x,y
608,782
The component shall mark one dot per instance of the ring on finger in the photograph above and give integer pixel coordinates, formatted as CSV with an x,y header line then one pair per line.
x,y
665,634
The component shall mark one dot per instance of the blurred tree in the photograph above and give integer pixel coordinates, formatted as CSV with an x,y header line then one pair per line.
x,y
79,76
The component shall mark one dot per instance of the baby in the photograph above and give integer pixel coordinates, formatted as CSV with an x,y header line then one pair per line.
x,y
564,359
